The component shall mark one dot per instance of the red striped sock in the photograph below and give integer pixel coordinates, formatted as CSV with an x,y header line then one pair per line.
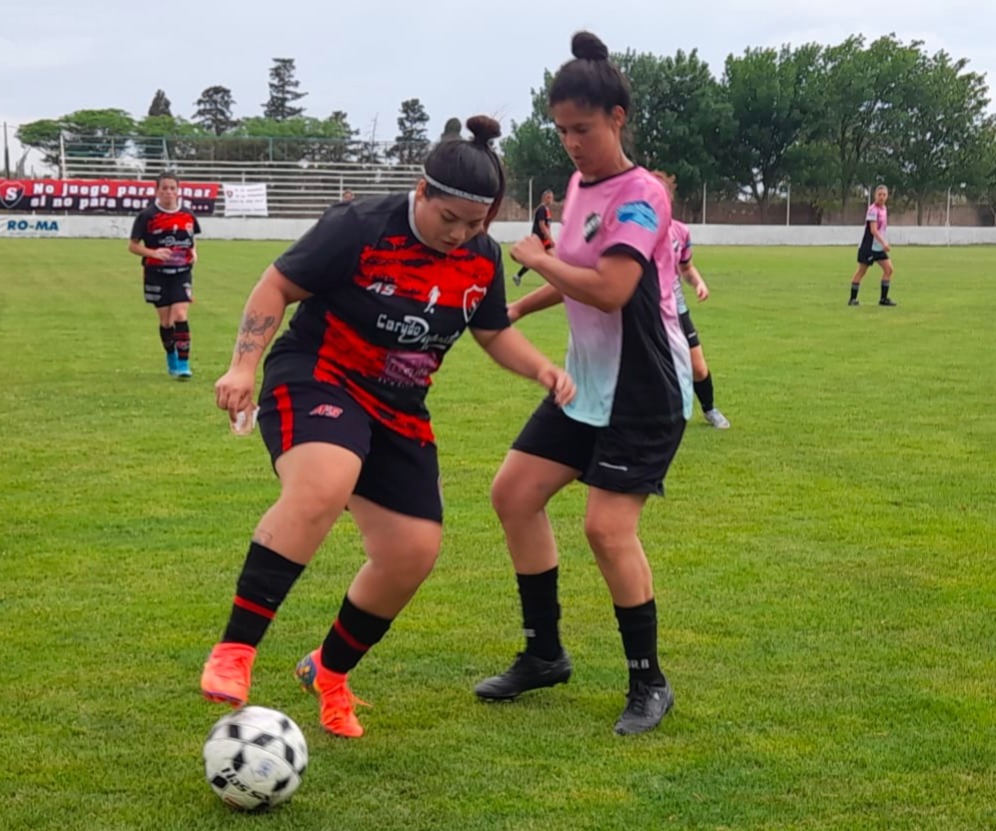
x,y
182,338
265,581
351,636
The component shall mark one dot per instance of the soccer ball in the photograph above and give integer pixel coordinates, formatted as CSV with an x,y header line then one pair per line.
x,y
254,758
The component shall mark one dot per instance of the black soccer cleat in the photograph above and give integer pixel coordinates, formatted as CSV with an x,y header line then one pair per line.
x,y
526,673
646,705
853,302
887,301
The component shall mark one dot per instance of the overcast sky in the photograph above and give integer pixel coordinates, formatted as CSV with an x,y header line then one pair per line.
x,y
458,57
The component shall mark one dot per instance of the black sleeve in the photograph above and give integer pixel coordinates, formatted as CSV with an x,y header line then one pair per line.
x,y
139,226
624,250
492,312
197,225
327,253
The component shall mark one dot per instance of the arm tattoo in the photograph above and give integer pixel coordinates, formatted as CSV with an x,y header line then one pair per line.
x,y
256,324
253,332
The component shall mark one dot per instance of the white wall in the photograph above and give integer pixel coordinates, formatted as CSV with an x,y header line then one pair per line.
x,y
119,227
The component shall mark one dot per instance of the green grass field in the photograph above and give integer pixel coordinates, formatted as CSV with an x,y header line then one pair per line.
x,y
825,572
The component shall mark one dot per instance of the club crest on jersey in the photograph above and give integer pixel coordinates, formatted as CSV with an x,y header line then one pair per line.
x,y
592,223
472,298
326,411
11,194
639,213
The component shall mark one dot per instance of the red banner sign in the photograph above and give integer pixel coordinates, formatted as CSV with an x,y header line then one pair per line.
x,y
97,195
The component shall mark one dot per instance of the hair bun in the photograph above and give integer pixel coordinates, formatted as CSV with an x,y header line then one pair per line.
x,y
484,128
589,47
451,132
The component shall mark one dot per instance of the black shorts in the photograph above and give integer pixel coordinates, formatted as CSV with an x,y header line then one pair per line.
x,y
867,256
167,289
610,458
398,473
689,329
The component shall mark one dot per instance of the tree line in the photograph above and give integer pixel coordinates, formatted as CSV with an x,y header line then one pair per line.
x,y
825,121
281,133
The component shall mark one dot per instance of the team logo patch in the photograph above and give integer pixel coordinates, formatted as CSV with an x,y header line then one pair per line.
x,y
472,298
326,411
639,213
11,195
592,223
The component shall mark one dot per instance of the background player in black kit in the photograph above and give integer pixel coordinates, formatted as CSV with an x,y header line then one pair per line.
x,y
386,286
163,236
541,229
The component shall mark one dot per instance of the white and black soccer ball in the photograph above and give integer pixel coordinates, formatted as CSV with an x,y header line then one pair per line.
x,y
254,758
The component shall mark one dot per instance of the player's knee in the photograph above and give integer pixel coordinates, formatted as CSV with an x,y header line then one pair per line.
x,y
505,498
313,504
408,562
607,535
514,499
417,564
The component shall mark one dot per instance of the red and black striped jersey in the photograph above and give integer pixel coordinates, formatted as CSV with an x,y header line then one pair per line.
x,y
385,308
174,230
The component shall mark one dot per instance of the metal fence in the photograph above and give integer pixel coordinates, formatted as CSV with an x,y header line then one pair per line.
x,y
304,176
296,189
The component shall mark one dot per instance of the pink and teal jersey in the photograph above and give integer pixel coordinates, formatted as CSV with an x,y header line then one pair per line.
x,y
631,365
681,239
881,216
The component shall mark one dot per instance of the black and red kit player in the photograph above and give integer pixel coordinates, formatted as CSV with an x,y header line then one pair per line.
x,y
541,229
163,236
385,287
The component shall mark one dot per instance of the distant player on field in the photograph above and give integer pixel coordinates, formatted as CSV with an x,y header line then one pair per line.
x,y
541,229
681,238
874,248
163,236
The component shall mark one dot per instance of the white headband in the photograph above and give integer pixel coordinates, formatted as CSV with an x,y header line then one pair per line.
x,y
473,197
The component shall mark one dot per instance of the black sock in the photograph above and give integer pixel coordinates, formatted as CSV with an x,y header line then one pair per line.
x,y
522,271
351,636
166,336
885,288
703,391
183,340
540,613
265,580
638,627
854,290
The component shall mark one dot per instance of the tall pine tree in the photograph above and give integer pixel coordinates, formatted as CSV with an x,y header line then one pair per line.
x,y
160,104
283,91
412,142
214,110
